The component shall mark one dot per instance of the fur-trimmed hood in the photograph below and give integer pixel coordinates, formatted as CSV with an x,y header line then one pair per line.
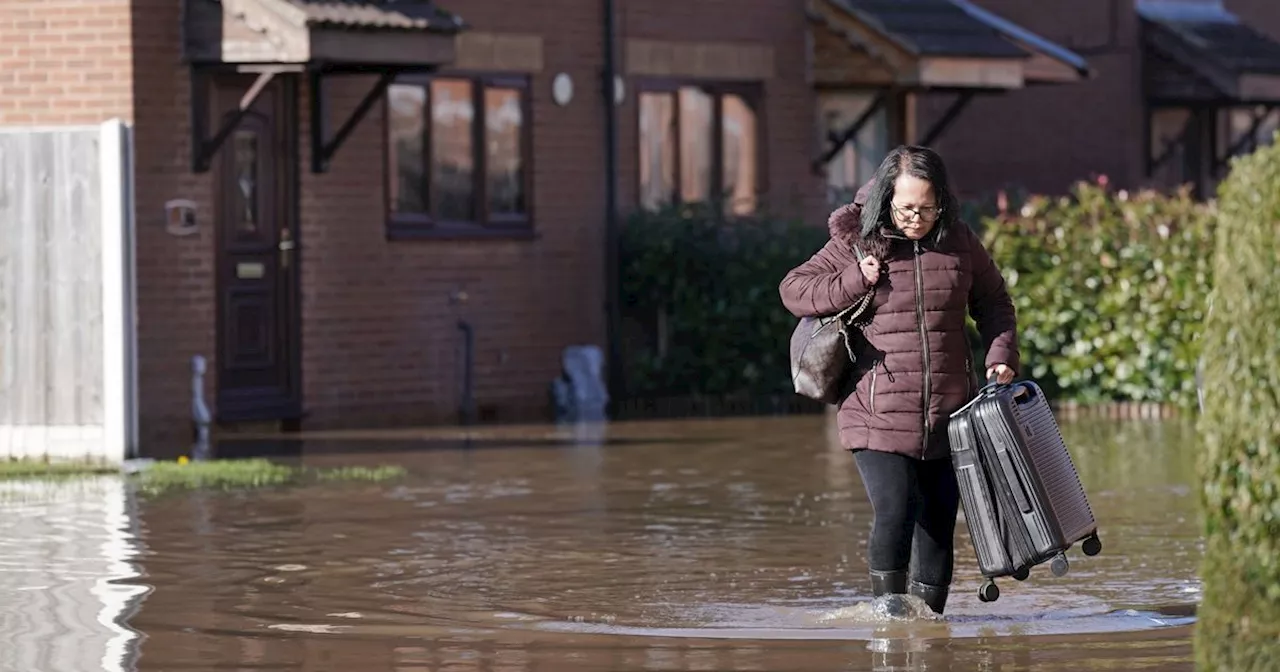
x,y
845,226
845,223
917,315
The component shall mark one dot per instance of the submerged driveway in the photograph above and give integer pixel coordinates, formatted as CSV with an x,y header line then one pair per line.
x,y
718,544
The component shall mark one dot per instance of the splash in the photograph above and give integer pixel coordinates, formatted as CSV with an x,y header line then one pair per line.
x,y
883,609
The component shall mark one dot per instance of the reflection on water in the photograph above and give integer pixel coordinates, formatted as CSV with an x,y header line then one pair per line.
x,y
64,548
708,545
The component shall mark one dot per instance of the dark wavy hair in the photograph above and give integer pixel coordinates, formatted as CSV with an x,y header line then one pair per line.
x,y
916,161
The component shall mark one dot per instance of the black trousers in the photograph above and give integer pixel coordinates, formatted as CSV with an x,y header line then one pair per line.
x,y
915,504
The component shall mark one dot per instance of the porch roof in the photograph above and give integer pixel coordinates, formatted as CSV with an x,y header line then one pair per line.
x,y
931,27
328,32
932,44
1206,54
420,15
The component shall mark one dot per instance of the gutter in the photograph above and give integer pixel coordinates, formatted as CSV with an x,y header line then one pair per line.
x,y
1017,32
613,317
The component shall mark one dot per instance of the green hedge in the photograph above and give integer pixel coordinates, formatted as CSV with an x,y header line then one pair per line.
x,y
700,302
1110,289
1239,620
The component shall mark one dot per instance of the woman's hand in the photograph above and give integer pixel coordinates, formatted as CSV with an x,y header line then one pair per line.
x,y
1003,374
870,269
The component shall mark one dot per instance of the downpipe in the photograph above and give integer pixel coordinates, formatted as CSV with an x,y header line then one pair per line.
x,y
613,314
467,407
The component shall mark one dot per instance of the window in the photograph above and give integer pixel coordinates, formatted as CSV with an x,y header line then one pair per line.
x,y
1169,160
1194,146
858,159
1242,130
700,143
457,156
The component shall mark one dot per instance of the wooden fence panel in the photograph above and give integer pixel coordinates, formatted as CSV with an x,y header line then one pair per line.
x,y
57,228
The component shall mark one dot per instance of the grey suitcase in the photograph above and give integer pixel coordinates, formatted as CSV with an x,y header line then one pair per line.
x,y
1023,500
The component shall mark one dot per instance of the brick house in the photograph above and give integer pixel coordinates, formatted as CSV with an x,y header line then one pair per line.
x,y
1177,87
367,176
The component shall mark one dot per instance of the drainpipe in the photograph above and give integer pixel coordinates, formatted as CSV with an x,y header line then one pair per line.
x,y
613,314
201,418
467,408
467,403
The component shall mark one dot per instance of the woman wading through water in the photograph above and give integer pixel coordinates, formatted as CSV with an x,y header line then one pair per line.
x,y
928,271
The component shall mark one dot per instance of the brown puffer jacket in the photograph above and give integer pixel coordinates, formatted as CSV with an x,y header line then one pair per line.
x,y
913,368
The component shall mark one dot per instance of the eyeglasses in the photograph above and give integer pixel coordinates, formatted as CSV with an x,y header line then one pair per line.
x,y
926,214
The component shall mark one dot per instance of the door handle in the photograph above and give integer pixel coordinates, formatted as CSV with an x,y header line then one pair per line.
x,y
286,248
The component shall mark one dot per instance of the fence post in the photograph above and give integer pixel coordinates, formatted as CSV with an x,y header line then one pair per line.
x,y
119,343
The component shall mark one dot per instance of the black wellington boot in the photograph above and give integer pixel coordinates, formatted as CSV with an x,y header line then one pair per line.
x,y
934,596
888,583
890,591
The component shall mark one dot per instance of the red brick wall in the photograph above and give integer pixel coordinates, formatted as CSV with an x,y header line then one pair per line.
x,y
74,62
379,332
175,275
1046,137
1263,15
64,62
379,335
789,114
380,341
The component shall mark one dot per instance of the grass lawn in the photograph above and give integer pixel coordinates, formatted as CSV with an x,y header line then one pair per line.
x,y
161,477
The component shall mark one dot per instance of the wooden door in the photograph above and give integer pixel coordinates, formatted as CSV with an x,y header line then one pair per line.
x,y
257,296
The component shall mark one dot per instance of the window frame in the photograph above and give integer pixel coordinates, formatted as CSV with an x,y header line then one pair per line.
x,y
752,92
485,223
823,139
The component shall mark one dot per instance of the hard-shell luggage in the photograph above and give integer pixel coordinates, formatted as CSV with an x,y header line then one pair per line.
x,y
1023,500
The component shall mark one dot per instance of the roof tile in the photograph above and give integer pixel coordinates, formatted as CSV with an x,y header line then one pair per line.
x,y
386,14
1235,45
936,28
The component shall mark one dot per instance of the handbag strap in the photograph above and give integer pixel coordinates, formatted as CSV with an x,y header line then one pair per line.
x,y
862,304
857,251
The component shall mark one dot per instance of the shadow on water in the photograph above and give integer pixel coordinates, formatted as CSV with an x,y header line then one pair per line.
x,y
698,545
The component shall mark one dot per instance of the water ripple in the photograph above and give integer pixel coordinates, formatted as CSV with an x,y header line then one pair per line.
x,y
726,551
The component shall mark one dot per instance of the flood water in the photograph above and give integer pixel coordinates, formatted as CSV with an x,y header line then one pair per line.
x,y
697,545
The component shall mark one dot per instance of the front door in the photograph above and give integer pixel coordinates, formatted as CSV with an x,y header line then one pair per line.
x,y
257,296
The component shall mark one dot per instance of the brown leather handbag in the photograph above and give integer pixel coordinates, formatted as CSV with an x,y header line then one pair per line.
x,y
822,350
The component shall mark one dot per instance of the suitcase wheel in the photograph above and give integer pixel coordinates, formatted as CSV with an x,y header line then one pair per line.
x,y
1022,574
1059,566
989,592
1092,545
